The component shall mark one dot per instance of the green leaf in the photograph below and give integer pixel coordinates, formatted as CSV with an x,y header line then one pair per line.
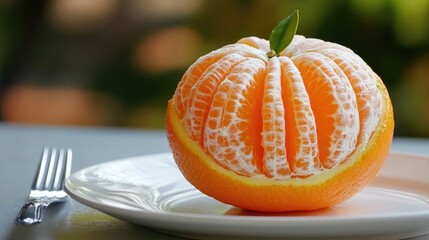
x,y
283,33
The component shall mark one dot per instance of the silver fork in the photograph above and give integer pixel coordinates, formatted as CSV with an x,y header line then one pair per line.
x,y
48,185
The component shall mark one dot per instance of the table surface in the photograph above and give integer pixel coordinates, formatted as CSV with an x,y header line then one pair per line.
x,y
22,145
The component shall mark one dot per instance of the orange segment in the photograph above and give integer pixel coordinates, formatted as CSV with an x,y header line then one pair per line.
x,y
191,76
363,81
275,162
233,123
201,94
334,105
301,135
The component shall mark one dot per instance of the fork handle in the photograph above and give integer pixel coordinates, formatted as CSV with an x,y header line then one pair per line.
x,y
31,212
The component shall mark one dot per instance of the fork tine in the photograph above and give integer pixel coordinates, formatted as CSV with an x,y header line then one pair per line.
x,y
37,183
51,170
63,168
59,173
68,163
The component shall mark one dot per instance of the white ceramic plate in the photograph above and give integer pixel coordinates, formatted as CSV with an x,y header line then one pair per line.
x,y
151,191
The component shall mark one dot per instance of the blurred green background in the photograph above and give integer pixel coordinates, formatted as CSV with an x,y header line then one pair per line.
x,y
116,63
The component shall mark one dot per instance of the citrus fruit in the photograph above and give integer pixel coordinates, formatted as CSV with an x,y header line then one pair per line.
x,y
303,128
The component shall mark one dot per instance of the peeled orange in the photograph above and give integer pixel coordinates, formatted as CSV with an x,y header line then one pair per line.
x,y
302,129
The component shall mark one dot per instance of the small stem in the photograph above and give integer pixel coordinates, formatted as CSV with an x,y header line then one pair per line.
x,y
271,54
